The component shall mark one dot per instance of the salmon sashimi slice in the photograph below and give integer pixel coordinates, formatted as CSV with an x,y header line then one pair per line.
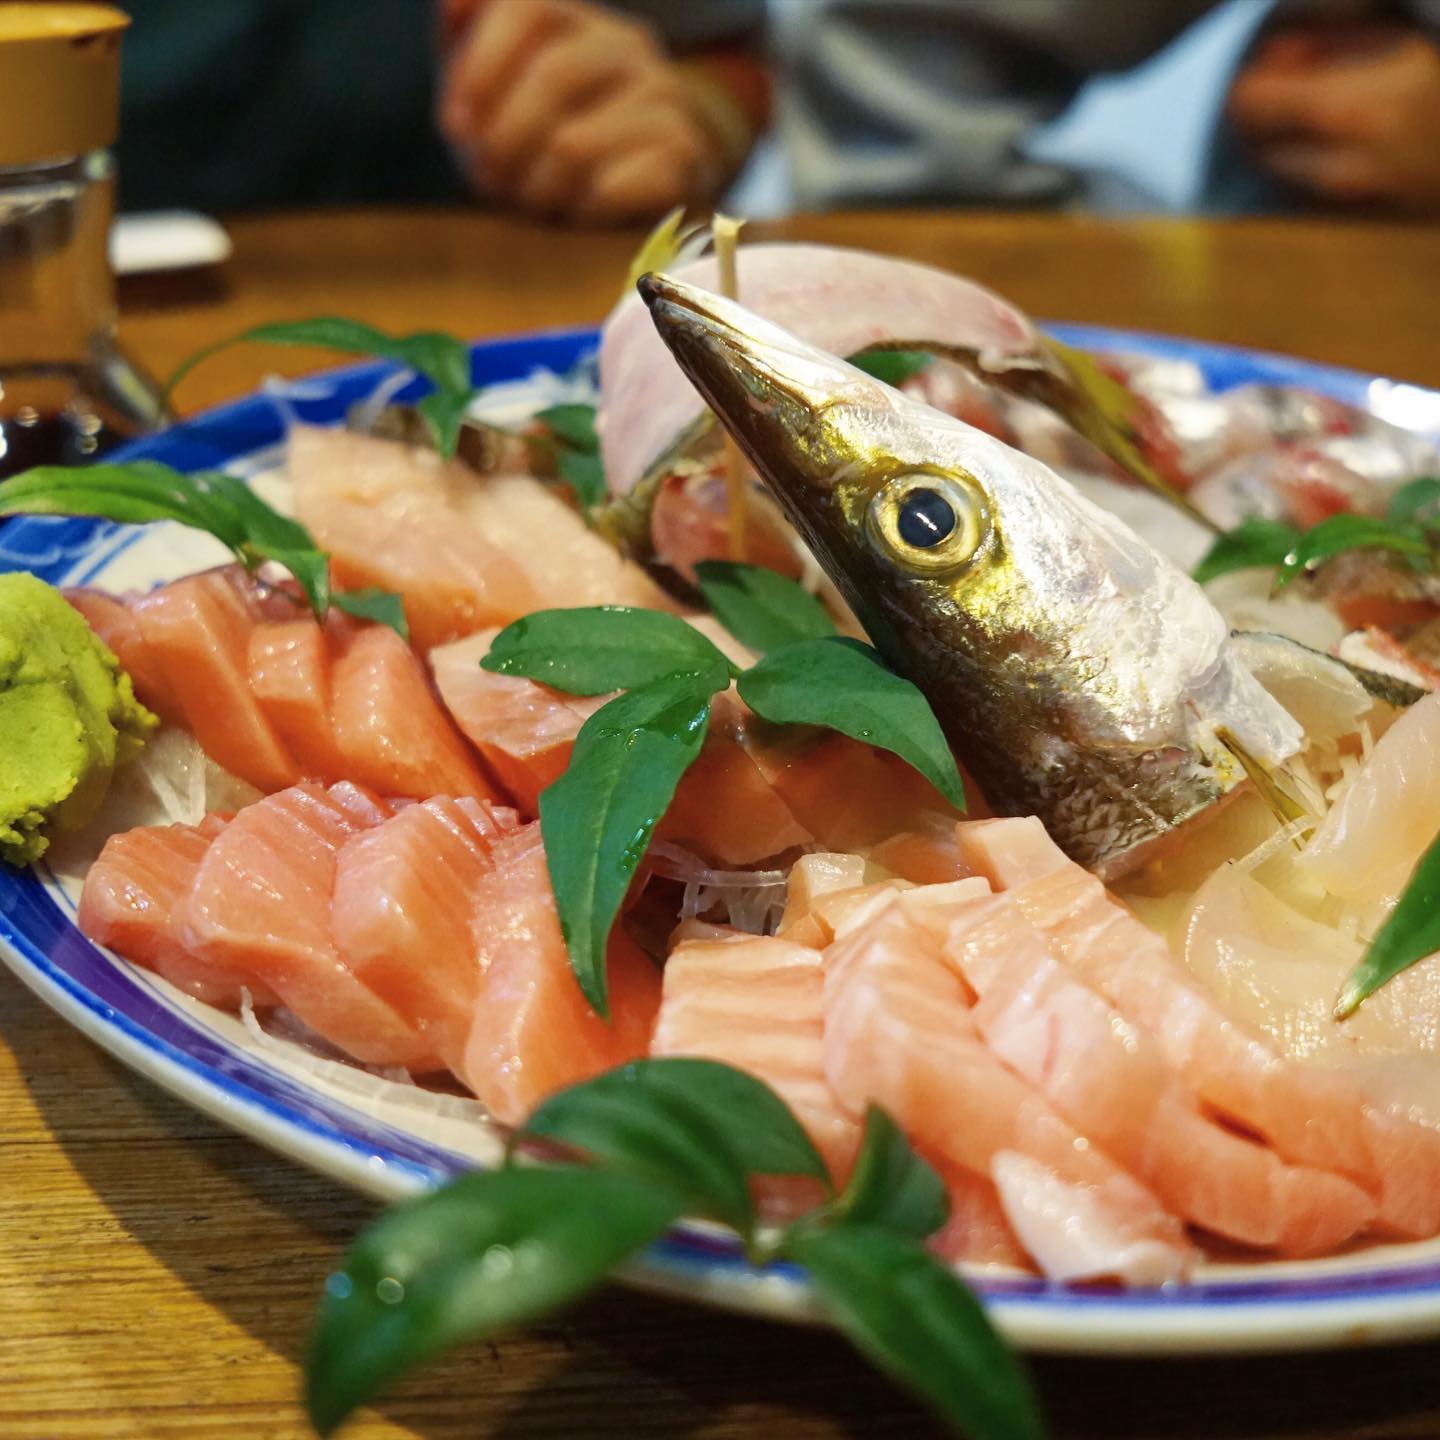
x,y
260,904
899,1032
1109,1079
390,516
401,913
288,664
724,810
197,632
1372,837
533,1030
757,1003
112,621
1310,1116
131,902
924,857
390,731
848,795
524,730
811,876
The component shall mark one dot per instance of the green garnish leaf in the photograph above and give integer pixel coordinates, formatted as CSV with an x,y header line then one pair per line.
x,y
441,358
757,1126
140,491
487,1252
1410,934
574,424
378,605
911,1315
891,1185
844,685
1413,497
585,475
594,650
652,1132
894,367
760,608
1347,532
1252,543
597,819
135,493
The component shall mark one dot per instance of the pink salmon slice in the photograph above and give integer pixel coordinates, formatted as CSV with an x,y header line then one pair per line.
x,y
197,632
131,902
899,1032
401,913
757,1003
523,730
390,730
261,903
288,663
111,620
1108,1078
533,1031
1310,1116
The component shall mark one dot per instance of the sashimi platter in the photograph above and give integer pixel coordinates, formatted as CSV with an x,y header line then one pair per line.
x,y
824,797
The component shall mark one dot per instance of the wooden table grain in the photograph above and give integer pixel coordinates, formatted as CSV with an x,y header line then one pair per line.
x,y
157,1272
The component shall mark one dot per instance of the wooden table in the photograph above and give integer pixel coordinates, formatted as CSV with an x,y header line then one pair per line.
x,y
157,1273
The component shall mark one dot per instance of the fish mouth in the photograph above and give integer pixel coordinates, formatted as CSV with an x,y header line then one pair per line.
x,y
774,394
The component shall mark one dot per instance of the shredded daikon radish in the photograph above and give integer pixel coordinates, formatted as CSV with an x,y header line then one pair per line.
x,y
752,900
390,1083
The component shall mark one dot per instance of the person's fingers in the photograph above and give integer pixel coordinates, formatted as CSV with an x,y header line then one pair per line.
x,y
1333,172
1271,102
492,54
638,185
562,80
627,121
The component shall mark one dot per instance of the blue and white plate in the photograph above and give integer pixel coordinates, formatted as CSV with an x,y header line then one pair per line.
x,y
385,1140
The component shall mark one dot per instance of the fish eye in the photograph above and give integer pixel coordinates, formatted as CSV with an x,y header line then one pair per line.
x,y
929,522
924,518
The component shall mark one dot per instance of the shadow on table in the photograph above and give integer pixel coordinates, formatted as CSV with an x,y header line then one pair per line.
x,y
251,1234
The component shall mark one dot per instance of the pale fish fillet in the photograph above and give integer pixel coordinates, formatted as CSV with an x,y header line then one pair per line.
x,y
1109,1079
899,1032
757,1003
1310,1116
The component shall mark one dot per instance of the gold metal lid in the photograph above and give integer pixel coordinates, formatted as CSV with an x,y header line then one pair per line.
x,y
59,79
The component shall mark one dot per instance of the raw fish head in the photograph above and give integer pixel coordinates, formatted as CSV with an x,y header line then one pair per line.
x,y
1079,674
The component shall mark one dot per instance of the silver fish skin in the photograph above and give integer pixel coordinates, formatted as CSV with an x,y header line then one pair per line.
x,y
1079,675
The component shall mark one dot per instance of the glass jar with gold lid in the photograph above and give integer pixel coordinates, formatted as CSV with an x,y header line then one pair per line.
x,y
66,391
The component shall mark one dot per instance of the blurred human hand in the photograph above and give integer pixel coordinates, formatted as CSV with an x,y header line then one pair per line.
x,y
567,110
1347,114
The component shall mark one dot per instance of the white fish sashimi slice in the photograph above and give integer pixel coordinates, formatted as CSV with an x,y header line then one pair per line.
x,y
1279,971
1374,834
899,1033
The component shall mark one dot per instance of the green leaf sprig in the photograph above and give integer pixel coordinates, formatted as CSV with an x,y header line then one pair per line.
x,y
440,358
598,818
1410,528
1410,934
571,428
653,1141
894,367
137,492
